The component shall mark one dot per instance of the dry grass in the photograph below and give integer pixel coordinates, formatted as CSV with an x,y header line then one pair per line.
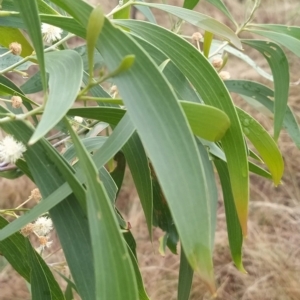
x,y
271,252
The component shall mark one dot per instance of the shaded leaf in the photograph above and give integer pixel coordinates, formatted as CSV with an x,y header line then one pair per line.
x,y
118,282
233,226
43,284
280,70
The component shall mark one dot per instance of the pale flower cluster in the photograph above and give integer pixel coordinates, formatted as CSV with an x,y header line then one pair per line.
x,y
41,227
11,150
51,33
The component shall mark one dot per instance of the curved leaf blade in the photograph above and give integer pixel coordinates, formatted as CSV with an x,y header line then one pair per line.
x,y
203,120
139,167
264,144
254,93
43,283
280,70
9,35
234,230
65,68
94,28
30,15
282,35
200,20
109,250
201,74
222,7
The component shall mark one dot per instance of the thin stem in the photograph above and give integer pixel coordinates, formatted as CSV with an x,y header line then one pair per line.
x,y
22,61
5,53
99,99
5,100
19,206
118,8
53,47
8,210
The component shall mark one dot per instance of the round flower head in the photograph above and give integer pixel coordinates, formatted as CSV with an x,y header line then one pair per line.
x,y
78,119
15,48
51,33
43,226
217,62
11,150
196,36
224,75
36,195
16,101
44,243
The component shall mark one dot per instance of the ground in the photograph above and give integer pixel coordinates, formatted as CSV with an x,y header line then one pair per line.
x,y
271,251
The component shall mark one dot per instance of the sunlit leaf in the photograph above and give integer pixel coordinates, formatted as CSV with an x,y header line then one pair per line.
x,y
65,69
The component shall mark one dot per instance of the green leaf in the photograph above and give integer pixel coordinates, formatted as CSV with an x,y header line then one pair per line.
x,y
216,44
202,119
139,167
11,174
109,250
146,12
11,59
201,75
259,95
43,284
208,37
280,70
69,292
90,143
13,249
154,129
234,230
185,278
94,28
10,35
30,15
222,7
199,257
259,171
200,20
264,144
73,234
180,84
33,84
123,13
117,139
287,36
109,115
65,69
97,58
139,279
190,4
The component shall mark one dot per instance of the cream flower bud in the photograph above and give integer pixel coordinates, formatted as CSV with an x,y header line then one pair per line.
x,y
36,195
217,62
15,48
16,101
114,91
78,119
44,243
196,36
224,75
11,150
51,33
28,229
